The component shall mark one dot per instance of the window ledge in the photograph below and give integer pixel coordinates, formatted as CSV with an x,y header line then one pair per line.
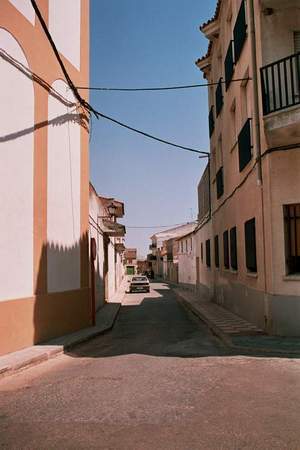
x,y
292,277
252,274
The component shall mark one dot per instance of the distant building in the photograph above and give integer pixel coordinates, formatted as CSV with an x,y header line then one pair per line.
x,y
164,249
130,261
108,237
248,238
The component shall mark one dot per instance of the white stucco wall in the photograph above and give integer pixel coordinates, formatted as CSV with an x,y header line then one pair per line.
x,y
64,26
25,8
16,175
63,195
187,263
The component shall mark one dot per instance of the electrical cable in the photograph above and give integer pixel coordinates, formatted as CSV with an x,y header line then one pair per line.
x,y
162,88
159,226
87,106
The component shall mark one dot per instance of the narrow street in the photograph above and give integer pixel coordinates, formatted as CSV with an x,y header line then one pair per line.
x,y
157,380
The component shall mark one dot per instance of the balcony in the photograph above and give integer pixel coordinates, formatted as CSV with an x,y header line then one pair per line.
x,y
280,84
152,246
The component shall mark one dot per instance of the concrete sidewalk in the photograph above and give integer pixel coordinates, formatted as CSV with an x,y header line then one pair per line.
x,y
235,332
27,357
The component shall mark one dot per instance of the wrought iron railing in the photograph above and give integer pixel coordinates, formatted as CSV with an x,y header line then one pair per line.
x,y
280,83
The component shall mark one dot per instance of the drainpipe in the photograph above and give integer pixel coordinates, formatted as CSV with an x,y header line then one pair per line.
x,y
257,130
255,93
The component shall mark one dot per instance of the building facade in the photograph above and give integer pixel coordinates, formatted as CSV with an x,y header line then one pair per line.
x,y
44,273
106,236
249,247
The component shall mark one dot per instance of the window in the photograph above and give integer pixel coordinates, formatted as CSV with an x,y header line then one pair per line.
x,y
226,249
201,251
229,65
240,32
211,121
245,147
191,244
233,249
217,259
207,248
181,246
220,182
186,245
250,245
292,237
219,97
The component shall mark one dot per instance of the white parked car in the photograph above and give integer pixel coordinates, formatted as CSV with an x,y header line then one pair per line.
x,y
139,284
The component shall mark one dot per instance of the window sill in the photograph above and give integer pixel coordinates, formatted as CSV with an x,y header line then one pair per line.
x,y
252,274
292,277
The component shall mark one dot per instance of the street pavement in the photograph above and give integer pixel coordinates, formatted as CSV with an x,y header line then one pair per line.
x,y
158,380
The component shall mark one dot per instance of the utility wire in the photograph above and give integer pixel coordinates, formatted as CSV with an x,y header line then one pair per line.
x,y
159,226
162,88
87,106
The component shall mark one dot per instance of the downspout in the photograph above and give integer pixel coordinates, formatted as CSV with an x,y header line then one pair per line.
x,y
257,130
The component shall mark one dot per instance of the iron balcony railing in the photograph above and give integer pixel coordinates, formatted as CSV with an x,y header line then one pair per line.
x,y
280,84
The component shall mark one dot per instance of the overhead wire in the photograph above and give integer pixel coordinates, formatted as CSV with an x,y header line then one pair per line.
x,y
89,108
159,88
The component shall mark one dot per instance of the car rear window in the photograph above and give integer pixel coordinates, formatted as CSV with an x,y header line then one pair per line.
x,y
139,278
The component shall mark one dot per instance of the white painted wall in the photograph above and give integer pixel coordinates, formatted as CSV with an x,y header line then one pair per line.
x,y
25,8
63,189
64,26
187,262
16,175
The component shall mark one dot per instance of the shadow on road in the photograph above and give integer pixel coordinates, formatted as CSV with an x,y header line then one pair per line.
x,y
153,324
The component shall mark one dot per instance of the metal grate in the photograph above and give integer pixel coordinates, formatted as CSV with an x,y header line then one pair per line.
x,y
280,84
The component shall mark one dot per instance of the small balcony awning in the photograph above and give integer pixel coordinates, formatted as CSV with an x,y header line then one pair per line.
x,y
113,229
120,247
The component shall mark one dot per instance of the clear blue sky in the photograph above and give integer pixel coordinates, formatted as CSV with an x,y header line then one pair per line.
x,y
137,43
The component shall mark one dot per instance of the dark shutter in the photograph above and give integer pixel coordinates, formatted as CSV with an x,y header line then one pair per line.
x,y
233,249
250,245
245,147
201,252
219,97
229,65
220,182
217,259
207,247
211,121
226,249
240,32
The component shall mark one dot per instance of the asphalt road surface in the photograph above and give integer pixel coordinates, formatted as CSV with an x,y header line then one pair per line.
x,y
158,380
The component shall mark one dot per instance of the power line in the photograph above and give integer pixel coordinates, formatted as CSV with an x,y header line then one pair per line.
x,y
157,226
162,88
88,107
150,136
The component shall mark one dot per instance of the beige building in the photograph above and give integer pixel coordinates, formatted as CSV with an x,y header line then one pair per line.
x,y
44,173
248,236
106,237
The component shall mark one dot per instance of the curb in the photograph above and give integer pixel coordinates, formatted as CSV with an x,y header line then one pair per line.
x,y
226,339
57,349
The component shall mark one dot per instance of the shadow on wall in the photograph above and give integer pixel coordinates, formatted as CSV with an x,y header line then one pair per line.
x,y
74,116
63,301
